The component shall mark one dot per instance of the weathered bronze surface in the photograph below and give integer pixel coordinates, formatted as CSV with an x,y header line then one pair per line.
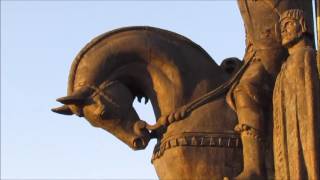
x,y
213,122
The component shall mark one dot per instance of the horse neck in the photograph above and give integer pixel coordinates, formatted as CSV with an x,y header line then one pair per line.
x,y
167,86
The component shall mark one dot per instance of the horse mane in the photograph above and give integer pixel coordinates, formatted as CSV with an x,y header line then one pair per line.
x,y
101,37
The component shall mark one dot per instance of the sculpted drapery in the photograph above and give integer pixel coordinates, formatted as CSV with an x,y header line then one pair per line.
x,y
296,105
296,115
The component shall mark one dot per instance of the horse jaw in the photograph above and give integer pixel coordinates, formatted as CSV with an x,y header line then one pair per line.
x,y
123,129
114,113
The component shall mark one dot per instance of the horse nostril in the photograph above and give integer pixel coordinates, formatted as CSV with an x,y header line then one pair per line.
x,y
138,143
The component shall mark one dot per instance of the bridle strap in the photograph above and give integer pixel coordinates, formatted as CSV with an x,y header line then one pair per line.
x,y
101,91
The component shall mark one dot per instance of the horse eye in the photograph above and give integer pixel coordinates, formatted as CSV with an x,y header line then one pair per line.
x,y
102,114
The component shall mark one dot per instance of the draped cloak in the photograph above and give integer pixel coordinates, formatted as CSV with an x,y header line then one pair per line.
x,y
296,118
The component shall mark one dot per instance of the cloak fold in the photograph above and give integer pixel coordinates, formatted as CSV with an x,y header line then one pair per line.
x,y
296,115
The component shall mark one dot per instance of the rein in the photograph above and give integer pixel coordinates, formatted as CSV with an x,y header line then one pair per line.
x,y
182,112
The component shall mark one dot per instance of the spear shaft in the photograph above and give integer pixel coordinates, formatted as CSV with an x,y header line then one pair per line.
x,y
317,4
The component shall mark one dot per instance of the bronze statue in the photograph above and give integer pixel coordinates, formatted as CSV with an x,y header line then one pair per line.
x,y
211,124
159,65
296,103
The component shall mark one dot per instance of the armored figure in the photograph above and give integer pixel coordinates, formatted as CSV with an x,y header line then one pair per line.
x,y
251,95
296,103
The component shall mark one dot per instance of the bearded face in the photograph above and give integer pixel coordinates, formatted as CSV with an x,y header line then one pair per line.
x,y
291,32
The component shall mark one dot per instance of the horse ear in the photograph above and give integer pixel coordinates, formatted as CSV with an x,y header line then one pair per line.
x,y
75,98
65,110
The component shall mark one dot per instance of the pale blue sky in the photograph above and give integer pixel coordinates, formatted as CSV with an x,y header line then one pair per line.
x,y
38,43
